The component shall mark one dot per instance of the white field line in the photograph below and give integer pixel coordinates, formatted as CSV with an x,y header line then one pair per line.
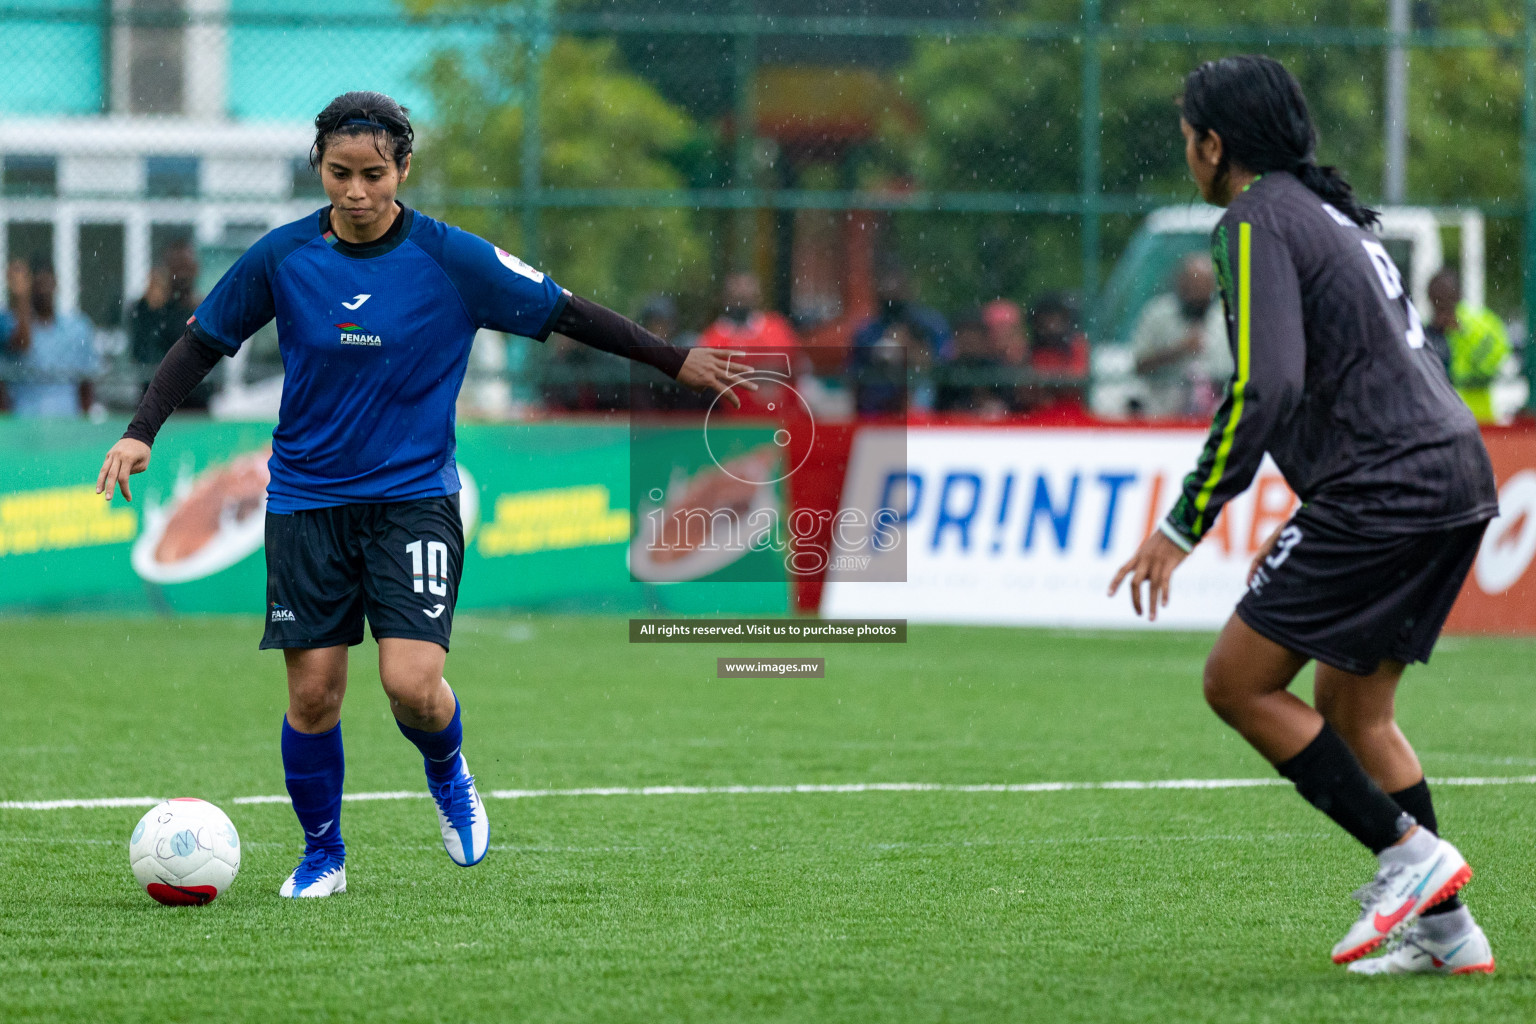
x,y
845,787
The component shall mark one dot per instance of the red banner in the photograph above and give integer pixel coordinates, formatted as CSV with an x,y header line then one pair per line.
x,y
1500,595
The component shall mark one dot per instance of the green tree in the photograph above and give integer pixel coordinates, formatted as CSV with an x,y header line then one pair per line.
x,y
999,114
601,127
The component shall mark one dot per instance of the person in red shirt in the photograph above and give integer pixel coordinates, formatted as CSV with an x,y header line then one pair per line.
x,y
744,326
743,323
1059,350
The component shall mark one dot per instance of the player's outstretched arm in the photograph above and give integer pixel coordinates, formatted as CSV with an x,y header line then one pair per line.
x,y
182,369
1153,566
601,328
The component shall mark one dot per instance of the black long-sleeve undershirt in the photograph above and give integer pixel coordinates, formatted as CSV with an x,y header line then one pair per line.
x,y
191,359
600,327
182,369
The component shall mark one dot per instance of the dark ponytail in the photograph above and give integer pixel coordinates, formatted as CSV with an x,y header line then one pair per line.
x,y
365,113
1257,108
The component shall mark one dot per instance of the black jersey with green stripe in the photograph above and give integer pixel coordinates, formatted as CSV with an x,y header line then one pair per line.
x,y
1332,378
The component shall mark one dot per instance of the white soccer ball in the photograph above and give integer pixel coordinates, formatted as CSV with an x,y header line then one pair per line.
x,y
184,852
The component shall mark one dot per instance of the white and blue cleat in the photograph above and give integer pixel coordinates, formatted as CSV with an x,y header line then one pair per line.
x,y
320,873
460,813
1418,952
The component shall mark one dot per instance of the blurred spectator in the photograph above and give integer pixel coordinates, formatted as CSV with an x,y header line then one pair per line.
x,y
903,337
965,378
578,378
52,354
160,316
1005,325
743,323
1180,345
659,316
1058,349
896,311
1469,339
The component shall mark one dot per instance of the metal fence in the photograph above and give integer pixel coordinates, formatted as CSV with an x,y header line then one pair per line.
x,y
641,147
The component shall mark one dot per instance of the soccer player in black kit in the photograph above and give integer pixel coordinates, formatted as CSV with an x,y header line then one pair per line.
x,y
1334,381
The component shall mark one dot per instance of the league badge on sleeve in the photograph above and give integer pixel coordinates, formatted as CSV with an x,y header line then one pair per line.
x,y
517,266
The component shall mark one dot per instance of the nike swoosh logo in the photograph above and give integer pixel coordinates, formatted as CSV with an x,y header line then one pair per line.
x,y
1418,890
322,830
1441,962
435,612
1386,924
357,300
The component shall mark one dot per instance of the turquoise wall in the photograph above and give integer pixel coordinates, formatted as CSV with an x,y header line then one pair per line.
x,y
291,72
49,66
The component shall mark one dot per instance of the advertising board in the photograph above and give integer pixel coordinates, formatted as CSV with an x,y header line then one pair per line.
x,y
1026,526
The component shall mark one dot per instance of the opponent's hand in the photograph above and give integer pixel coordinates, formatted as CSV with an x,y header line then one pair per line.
x,y
1264,550
712,368
1153,564
123,460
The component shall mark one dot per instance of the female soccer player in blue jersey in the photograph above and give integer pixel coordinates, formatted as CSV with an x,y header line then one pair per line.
x,y
376,307
1334,381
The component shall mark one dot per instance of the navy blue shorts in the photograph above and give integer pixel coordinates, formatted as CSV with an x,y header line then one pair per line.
x,y
397,564
1353,601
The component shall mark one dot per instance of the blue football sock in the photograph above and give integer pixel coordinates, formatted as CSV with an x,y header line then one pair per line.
x,y
439,750
314,768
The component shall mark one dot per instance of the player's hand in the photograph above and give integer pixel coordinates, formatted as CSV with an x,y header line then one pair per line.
x,y
123,460
713,369
1153,564
1264,550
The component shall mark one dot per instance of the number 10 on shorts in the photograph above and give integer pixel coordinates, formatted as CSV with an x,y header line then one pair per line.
x,y
436,575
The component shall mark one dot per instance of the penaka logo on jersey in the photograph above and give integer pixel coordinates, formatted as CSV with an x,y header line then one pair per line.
x,y
352,334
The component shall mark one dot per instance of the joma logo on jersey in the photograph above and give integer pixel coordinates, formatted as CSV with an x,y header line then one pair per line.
x,y
352,334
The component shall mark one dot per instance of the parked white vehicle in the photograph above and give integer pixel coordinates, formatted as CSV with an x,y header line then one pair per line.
x,y
1411,234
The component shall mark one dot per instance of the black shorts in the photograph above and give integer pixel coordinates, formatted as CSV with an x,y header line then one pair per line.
x,y
1352,601
397,563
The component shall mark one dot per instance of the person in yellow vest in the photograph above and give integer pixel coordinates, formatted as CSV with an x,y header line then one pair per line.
x,y
1471,341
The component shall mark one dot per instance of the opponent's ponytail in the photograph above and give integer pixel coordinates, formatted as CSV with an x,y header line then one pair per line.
x,y
1329,183
1257,108
365,113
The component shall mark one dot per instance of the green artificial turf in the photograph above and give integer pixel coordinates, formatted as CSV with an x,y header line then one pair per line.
x,y
1083,905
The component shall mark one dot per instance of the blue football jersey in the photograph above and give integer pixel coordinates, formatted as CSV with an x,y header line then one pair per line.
x,y
374,340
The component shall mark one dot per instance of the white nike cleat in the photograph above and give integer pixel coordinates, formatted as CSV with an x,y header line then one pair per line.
x,y
466,831
320,873
1417,953
1398,895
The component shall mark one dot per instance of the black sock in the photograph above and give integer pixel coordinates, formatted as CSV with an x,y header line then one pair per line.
x,y
1329,776
1415,800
